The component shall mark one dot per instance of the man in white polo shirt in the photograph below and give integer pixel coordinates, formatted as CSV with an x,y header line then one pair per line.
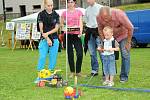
x,y
92,38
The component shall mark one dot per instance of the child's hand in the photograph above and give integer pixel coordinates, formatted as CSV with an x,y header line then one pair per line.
x,y
100,49
111,49
49,42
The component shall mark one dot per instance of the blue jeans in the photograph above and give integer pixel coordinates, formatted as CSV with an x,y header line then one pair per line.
x,y
109,64
92,47
125,55
52,51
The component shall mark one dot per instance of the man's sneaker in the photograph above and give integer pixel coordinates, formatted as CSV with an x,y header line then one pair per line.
x,y
106,82
111,83
80,75
94,73
123,81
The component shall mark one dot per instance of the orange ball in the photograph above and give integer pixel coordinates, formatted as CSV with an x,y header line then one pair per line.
x,y
68,91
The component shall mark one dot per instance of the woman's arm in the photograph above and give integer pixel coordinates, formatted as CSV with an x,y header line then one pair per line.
x,y
45,35
61,22
81,26
41,27
55,29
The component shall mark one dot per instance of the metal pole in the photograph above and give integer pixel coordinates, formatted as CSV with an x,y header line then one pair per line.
x,y
66,44
4,11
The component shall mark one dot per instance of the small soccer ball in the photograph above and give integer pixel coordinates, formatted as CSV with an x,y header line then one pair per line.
x,y
45,73
68,91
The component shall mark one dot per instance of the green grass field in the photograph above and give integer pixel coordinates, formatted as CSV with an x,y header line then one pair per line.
x,y
18,71
135,6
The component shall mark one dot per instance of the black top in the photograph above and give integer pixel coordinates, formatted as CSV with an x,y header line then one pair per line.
x,y
49,21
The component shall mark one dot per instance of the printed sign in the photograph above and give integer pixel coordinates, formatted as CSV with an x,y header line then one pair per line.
x,y
23,31
35,34
10,26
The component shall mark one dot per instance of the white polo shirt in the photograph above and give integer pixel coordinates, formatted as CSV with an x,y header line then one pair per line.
x,y
90,15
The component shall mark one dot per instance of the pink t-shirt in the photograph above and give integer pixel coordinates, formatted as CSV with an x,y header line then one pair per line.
x,y
73,19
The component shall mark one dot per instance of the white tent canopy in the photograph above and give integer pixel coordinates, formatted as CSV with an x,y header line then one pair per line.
x,y
33,17
29,18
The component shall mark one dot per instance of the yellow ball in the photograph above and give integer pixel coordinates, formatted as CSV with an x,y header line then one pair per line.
x,y
68,90
44,73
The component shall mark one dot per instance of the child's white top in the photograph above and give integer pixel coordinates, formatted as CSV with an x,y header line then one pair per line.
x,y
107,45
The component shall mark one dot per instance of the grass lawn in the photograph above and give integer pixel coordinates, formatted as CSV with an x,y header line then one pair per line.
x,y
18,71
135,6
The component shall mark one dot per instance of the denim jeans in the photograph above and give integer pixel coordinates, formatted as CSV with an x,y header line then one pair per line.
x,y
109,64
92,47
125,55
52,51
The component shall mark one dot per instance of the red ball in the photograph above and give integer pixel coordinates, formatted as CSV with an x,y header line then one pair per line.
x,y
41,84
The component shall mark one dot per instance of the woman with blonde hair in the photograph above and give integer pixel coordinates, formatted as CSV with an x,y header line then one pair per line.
x,y
48,21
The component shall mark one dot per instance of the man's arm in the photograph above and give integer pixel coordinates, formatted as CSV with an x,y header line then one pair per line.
x,y
85,16
128,25
100,28
124,20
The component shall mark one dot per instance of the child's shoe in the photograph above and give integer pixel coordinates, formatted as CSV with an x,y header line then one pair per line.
x,y
111,83
106,82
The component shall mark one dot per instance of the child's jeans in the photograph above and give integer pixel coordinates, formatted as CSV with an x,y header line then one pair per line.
x,y
52,51
109,64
